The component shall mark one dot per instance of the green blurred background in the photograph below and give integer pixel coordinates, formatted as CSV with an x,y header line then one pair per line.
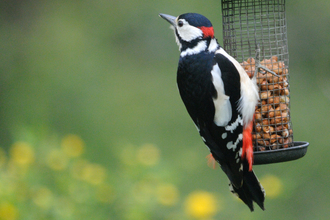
x,y
92,126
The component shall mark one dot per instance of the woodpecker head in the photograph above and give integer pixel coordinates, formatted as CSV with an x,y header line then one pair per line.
x,y
190,29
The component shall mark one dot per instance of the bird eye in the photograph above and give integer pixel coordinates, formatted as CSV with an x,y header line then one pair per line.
x,y
180,23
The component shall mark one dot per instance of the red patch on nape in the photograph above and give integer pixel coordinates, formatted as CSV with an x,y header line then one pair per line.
x,y
207,31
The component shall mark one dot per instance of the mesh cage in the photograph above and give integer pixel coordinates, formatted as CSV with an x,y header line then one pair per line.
x,y
260,25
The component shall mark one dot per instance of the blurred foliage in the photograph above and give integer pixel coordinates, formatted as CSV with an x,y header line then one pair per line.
x,y
92,126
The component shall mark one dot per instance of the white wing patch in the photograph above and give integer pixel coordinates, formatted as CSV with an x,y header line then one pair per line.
x,y
234,125
249,91
233,146
222,105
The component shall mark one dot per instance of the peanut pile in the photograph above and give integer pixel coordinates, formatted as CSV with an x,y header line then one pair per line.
x,y
272,126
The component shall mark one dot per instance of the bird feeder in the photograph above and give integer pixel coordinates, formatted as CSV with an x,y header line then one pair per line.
x,y
255,34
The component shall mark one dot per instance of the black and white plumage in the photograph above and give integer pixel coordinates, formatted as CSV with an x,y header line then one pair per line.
x,y
220,98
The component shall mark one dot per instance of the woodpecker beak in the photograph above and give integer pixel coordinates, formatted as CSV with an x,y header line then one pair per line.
x,y
171,19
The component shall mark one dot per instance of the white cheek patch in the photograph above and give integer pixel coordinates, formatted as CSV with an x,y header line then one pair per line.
x,y
188,32
176,37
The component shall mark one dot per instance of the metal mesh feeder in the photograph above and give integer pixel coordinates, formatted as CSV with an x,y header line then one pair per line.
x,y
254,32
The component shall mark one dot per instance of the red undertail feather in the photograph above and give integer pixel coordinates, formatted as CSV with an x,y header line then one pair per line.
x,y
247,151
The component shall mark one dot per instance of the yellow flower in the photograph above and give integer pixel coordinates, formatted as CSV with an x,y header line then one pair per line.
x,y
57,160
201,205
143,191
167,194
128,155
43,198
105,193
77,168
79,193
273,185
148,154
64,207
72,145
21,153
94,173
3,157
8,212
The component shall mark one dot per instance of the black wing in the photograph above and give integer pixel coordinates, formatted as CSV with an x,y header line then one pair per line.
x,y
197,91
225,143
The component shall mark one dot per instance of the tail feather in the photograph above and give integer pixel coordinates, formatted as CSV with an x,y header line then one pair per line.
x,y
251,189
244,195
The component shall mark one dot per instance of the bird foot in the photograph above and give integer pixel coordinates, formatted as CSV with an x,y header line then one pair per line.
x,y
211,162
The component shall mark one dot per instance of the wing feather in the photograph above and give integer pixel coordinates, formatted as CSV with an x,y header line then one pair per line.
x,y
223,111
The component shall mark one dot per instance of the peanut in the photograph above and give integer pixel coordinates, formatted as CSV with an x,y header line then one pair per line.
x,y
272,114
251,60
265,95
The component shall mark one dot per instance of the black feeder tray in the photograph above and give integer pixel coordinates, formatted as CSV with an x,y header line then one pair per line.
x,y
255,34
298,150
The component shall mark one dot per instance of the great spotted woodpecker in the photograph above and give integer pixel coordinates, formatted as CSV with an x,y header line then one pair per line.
x,y
220,98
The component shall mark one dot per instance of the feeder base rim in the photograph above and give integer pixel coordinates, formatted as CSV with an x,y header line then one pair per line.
x,y
295,152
